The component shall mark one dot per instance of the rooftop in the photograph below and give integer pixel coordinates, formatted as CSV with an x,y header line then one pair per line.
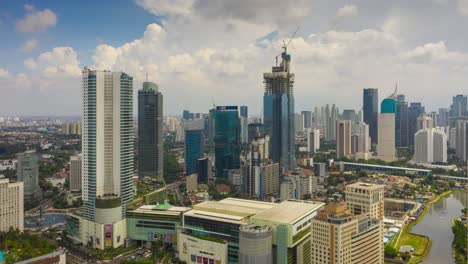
x,y
366,186
289,211
160,208
233,206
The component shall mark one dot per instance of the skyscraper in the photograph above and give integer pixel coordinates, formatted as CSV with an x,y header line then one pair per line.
x,y
204,170
462,140
12,205
330,127
414,110
459,107
278,107
108,156
313,140
363,144
254,130
443,117
402,135
244,111
298,123
307,118
150,134
193,149
371,111
226,139
28,172
75,173
244,129
386,130
349,114
343,138
430,145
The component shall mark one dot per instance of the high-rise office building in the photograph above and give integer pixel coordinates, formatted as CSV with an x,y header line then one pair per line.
x,y
402,133
227,140
365,198
349,114
343,138
459,107
150,131
462,140
363,141
430,145
443,117
108,156
298,123
452,135
28,172
244,111
313,140
307,118
386,134
254,130
338,236
400,98
424,121
193,149
75,173
204,170
244,130
11,205
278,107
186,114
414,111
371,110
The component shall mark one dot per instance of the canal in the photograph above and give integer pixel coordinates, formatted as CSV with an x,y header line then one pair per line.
x,y
437,225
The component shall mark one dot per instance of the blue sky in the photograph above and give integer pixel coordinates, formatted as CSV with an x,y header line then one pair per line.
x,y
200,51
82,24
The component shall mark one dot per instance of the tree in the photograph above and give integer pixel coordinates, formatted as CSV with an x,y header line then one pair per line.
x,y
390,252
464,211
406,256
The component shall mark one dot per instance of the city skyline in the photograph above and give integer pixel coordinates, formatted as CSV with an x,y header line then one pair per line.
x,y
42,61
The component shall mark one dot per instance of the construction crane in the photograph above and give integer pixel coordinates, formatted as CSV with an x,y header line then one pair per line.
x,y
285,45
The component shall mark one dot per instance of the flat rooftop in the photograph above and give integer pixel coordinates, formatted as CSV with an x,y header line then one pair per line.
x,y
365,186
221,217
290,211
233,206
159,210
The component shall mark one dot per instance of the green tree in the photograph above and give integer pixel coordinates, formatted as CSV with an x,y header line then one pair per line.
x,y
390,252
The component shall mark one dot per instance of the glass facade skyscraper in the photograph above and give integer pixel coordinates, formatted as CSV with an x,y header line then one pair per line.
x,y
150,135
226,139
371,110
278,107
402,135
193,149
414,110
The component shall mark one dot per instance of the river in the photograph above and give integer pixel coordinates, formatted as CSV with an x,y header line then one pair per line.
x,y
437,225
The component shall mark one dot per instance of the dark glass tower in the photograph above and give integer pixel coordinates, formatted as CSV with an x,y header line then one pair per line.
x,y
459,106
401,126
414,110
150,135
193,149
278,107
226,139
371,110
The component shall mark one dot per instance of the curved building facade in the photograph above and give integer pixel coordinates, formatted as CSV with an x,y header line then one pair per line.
x,y
255,244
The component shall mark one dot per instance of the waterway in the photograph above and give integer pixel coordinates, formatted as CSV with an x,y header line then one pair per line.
x,y
437,225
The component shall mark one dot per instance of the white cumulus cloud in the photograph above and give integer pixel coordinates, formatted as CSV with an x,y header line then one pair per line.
x,y
36,20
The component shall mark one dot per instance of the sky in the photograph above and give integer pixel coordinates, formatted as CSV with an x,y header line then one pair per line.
x,y
205,52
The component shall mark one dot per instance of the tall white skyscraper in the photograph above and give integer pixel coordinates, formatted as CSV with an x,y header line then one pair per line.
x,y
386,138
244,126
313,140
108,156
430,145
298,123
11,205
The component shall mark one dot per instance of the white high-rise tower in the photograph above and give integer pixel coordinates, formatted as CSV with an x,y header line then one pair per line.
x,y
107,149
